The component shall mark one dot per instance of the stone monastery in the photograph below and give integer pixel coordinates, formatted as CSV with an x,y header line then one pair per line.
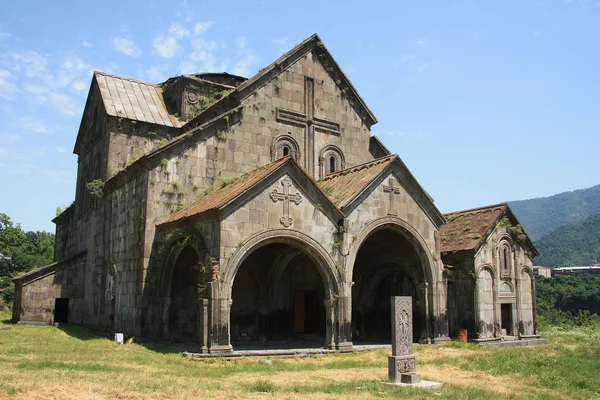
x,y
217,209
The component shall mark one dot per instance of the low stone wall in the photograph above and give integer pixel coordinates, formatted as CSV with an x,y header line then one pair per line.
x,y
38,291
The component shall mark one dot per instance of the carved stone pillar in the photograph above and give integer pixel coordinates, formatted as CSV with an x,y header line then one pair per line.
x,y
330,327
218,322
402,361
203,324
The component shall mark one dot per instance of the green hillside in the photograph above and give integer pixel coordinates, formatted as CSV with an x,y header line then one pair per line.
x,y
543,215
570,245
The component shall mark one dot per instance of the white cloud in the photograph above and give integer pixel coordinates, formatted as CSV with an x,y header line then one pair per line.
x,y
422,41
188,67
80,86
155,75
85,43
165,46
283,43
423,67
31,124
35,89
31,62
7,87
4,34
126,46
64,104
242,67
241,41
397,134
202,27
178,30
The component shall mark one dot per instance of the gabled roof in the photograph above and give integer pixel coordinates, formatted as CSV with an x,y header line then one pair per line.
x,y
346,185
311,43
132,99
467,230
227,193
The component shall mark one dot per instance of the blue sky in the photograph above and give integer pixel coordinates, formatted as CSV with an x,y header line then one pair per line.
x,y
484,101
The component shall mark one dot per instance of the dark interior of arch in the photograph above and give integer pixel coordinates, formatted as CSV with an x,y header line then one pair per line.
x,y
386,265
183,311
278,294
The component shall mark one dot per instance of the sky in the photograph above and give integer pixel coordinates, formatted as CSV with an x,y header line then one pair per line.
x,y
484,101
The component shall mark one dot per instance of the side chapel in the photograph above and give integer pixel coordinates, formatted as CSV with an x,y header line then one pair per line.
x,y
217,209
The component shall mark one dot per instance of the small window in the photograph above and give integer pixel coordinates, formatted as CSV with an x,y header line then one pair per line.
x,y
505,258
286,151
332,162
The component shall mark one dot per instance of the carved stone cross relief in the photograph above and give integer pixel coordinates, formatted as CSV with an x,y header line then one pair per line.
x,y
286,220
309,122
392,190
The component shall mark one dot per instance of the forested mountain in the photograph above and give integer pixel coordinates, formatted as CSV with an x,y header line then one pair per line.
x,y
543,215
570,245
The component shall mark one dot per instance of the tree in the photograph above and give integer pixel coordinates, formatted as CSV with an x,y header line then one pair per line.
x,y
21,252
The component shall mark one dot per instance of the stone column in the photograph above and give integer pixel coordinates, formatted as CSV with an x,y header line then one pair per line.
x,y
402,363
203,325
426,332
165,316
218,322
330,328
344,324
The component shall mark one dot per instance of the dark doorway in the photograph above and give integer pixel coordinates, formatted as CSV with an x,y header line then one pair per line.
x,y
386,265
183,312
506,311
278,295
61,310
305,311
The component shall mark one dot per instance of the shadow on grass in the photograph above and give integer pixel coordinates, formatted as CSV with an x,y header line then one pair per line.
x,y
84,333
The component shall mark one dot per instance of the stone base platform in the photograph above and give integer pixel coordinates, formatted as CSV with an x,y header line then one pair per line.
x,y
421,385
514,343
287,352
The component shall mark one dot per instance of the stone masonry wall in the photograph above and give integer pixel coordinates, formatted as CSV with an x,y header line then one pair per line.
x,y
38,296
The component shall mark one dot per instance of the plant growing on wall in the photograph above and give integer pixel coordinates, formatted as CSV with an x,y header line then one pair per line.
x,y
96,187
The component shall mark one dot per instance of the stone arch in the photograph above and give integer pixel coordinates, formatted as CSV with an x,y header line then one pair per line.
x,y
526,298
325,154
322,259
157,285
412,264
284,142
404,228
486,302
174,245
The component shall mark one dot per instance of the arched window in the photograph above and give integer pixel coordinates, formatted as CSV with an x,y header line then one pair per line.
x,y
283,146
504,260
286,151
332,166
331,159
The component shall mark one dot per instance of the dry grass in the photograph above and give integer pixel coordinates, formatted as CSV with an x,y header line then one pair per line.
x,y
73,363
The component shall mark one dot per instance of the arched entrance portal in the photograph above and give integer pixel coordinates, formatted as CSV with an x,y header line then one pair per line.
x,y
278,294
183,310
387,264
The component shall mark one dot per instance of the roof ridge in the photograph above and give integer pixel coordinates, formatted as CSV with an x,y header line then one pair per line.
x,y
126,78
491,206
359,167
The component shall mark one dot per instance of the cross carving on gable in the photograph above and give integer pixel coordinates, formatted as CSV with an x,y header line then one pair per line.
x,y
286,220
309,122
392,190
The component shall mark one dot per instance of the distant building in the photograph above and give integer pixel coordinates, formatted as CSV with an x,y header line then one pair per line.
x,y
542,271
589,269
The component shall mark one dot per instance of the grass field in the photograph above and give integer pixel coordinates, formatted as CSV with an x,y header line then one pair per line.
x,y
45,362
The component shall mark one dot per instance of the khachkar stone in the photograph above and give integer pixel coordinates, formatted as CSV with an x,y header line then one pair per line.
x,y
402,361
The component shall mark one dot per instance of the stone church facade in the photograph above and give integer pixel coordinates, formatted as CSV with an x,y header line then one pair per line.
x,y
216,209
